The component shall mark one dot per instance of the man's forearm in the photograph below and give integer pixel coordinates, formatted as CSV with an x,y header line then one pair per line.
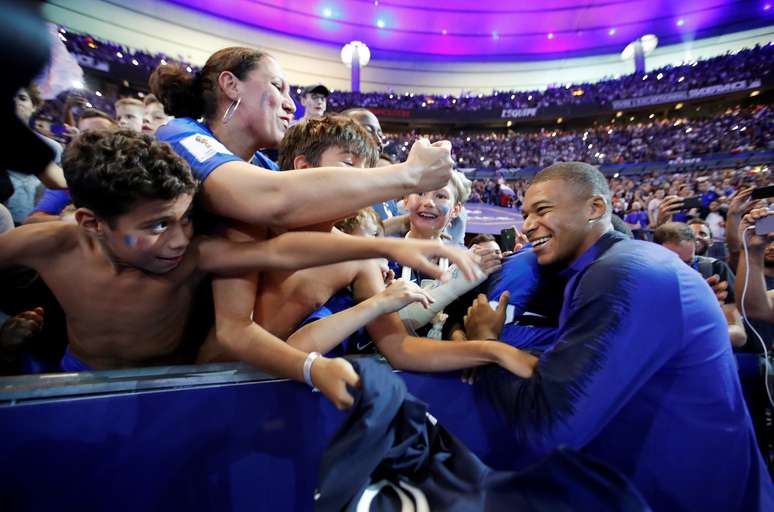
x,y
426,355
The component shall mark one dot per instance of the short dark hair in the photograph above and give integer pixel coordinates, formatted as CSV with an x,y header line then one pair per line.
x,y
481,239
583,175
312,137
697,220
674,232
110,172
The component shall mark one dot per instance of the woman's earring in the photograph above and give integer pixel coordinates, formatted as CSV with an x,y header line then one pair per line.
x,y
229,113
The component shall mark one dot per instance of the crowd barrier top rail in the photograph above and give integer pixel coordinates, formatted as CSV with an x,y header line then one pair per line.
x,y
24,388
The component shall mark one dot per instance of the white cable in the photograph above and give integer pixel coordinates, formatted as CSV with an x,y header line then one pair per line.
x,y
744,314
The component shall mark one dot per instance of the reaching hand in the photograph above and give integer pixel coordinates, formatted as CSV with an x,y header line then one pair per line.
x,y
490,260
755,243
416,254
484,323
399,295
719,288
668,207
387,274
18,330
740,203
331,377
430,164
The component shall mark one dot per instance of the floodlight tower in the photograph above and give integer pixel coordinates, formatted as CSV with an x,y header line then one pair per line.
x,y
355,55
638,49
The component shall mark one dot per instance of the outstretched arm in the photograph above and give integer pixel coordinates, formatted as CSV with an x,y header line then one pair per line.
x,y
297,250
425,355
247,341
324,334
758,303
244,192
33,245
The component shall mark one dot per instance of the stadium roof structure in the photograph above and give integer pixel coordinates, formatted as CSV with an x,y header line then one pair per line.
x,y
486,30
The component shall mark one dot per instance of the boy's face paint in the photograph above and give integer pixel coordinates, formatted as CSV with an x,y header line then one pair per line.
x,y
153,236
130,241
430,212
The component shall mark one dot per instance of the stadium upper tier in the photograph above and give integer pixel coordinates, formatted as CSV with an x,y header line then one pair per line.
x,y
736,131
747,70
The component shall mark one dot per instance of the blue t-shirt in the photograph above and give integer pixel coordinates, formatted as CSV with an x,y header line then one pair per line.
x,y
201,149
532,315
639,218
642,377
53,201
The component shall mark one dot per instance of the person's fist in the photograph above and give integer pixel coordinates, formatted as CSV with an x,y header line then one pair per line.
x,y
430,164
331,377
18,330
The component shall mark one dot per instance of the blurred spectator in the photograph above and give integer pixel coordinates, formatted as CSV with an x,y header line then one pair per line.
x,y
93,119
153,115
314,101
734,130
129,114
27,187
681,239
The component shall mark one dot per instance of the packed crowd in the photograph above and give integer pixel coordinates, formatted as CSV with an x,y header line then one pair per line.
x,y
749,64
736,130
746,64
175,198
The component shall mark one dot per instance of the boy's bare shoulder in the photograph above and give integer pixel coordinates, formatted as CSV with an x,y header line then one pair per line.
x,y
48,235
34,243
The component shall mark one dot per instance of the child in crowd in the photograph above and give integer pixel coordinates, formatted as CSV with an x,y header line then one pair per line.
x,y
154,115
280,301
129,114
127,271
430,213
365,223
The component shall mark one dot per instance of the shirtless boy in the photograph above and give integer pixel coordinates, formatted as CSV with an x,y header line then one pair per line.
x,y
281,300
127,271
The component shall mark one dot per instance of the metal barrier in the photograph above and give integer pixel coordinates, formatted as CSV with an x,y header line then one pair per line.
x,y
212,437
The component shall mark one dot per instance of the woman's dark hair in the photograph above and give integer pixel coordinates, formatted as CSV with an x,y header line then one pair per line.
x,y
195,95
110,172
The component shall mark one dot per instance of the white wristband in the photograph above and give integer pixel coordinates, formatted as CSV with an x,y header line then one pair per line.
x,y
308,367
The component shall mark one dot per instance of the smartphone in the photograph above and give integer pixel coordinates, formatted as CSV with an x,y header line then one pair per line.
x,y
507,239
765,225
762,192
691,202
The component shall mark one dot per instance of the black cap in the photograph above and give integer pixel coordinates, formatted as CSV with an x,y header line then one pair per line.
x,y
317,88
